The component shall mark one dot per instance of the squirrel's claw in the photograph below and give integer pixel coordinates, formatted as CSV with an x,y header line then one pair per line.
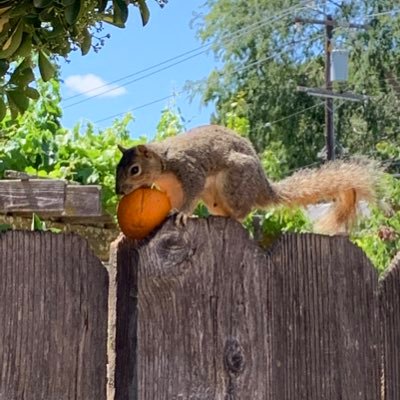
x,y
181,219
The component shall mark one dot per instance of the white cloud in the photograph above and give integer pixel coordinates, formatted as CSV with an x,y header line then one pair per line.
x,y
92,85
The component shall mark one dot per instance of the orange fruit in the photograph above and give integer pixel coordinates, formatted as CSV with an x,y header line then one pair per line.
x,y
142,210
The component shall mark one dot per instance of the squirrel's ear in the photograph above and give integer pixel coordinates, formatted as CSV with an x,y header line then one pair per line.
x,y
121,148
144,150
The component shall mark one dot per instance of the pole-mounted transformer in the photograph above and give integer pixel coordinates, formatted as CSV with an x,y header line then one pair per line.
x,y
339,65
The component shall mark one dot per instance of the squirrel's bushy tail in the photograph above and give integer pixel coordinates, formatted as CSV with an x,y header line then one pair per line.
x,y
343,183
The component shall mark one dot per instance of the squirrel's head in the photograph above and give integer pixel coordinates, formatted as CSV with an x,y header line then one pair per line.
x,y
138,167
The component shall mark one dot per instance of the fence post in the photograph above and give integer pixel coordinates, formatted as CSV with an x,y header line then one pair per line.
x,y
53,313
204,313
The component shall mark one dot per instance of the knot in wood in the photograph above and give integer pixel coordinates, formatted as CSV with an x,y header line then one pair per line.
x,y
234,357
173,247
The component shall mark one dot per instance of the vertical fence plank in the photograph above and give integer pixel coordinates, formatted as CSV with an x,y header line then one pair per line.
x,y
217,318
325,325
122,377
390,317
53,313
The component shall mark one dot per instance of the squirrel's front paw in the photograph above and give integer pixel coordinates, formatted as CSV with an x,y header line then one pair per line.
x,y
181,219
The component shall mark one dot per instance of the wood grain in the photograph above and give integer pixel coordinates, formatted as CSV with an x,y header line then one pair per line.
x,y
32,196
48,197
204,313
83,200
390,317
53,314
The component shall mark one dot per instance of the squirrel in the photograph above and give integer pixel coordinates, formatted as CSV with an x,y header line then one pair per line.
x,y
214,164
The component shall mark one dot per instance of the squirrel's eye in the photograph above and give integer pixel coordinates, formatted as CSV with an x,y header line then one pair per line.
x,y
135,170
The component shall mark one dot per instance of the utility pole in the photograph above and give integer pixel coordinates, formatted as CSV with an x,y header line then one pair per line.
x,y
329,23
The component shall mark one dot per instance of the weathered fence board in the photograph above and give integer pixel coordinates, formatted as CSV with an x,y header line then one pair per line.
x,y
83,201
50,197
199,313
28,196
218,318
390,316
325,329
53,314
122,374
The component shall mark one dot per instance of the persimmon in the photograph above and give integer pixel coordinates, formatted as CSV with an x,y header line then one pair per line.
x,y
141,211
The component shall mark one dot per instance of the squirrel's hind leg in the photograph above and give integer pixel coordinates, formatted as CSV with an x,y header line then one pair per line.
x,y
242,185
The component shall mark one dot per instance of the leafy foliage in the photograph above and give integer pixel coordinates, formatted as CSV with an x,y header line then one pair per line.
x,y
266,56
379,234
37,144
171,123
34,32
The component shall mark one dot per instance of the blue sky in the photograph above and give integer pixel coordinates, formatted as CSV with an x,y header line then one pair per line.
x,y
132,49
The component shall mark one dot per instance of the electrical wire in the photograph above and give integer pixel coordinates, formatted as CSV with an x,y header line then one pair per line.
x,y
260,23
132,81
238,33
138,107
295,114
255,63
389,12
203,48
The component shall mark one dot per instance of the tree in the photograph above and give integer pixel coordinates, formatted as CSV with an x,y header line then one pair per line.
x,y
35,32
266,56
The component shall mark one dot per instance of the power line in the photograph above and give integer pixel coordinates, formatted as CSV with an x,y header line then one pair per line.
x,y
172,65
181,91
231,37
389,12
133,80
295,114
238,70
175,94
292,43
185,59
238,33
138,107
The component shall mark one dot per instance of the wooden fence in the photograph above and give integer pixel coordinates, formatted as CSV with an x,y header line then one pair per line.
x,y
200,313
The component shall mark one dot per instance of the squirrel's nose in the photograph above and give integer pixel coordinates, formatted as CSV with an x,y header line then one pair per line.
x,y
123,188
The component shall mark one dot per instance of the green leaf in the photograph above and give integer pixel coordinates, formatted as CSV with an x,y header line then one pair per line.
x,y
13,42
3,109
37,223
12,106
19,99
5,227
73,11
86,42
120,12
110,20
46,68
32,93
25,47
102,5
4,65
22,75
144,11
